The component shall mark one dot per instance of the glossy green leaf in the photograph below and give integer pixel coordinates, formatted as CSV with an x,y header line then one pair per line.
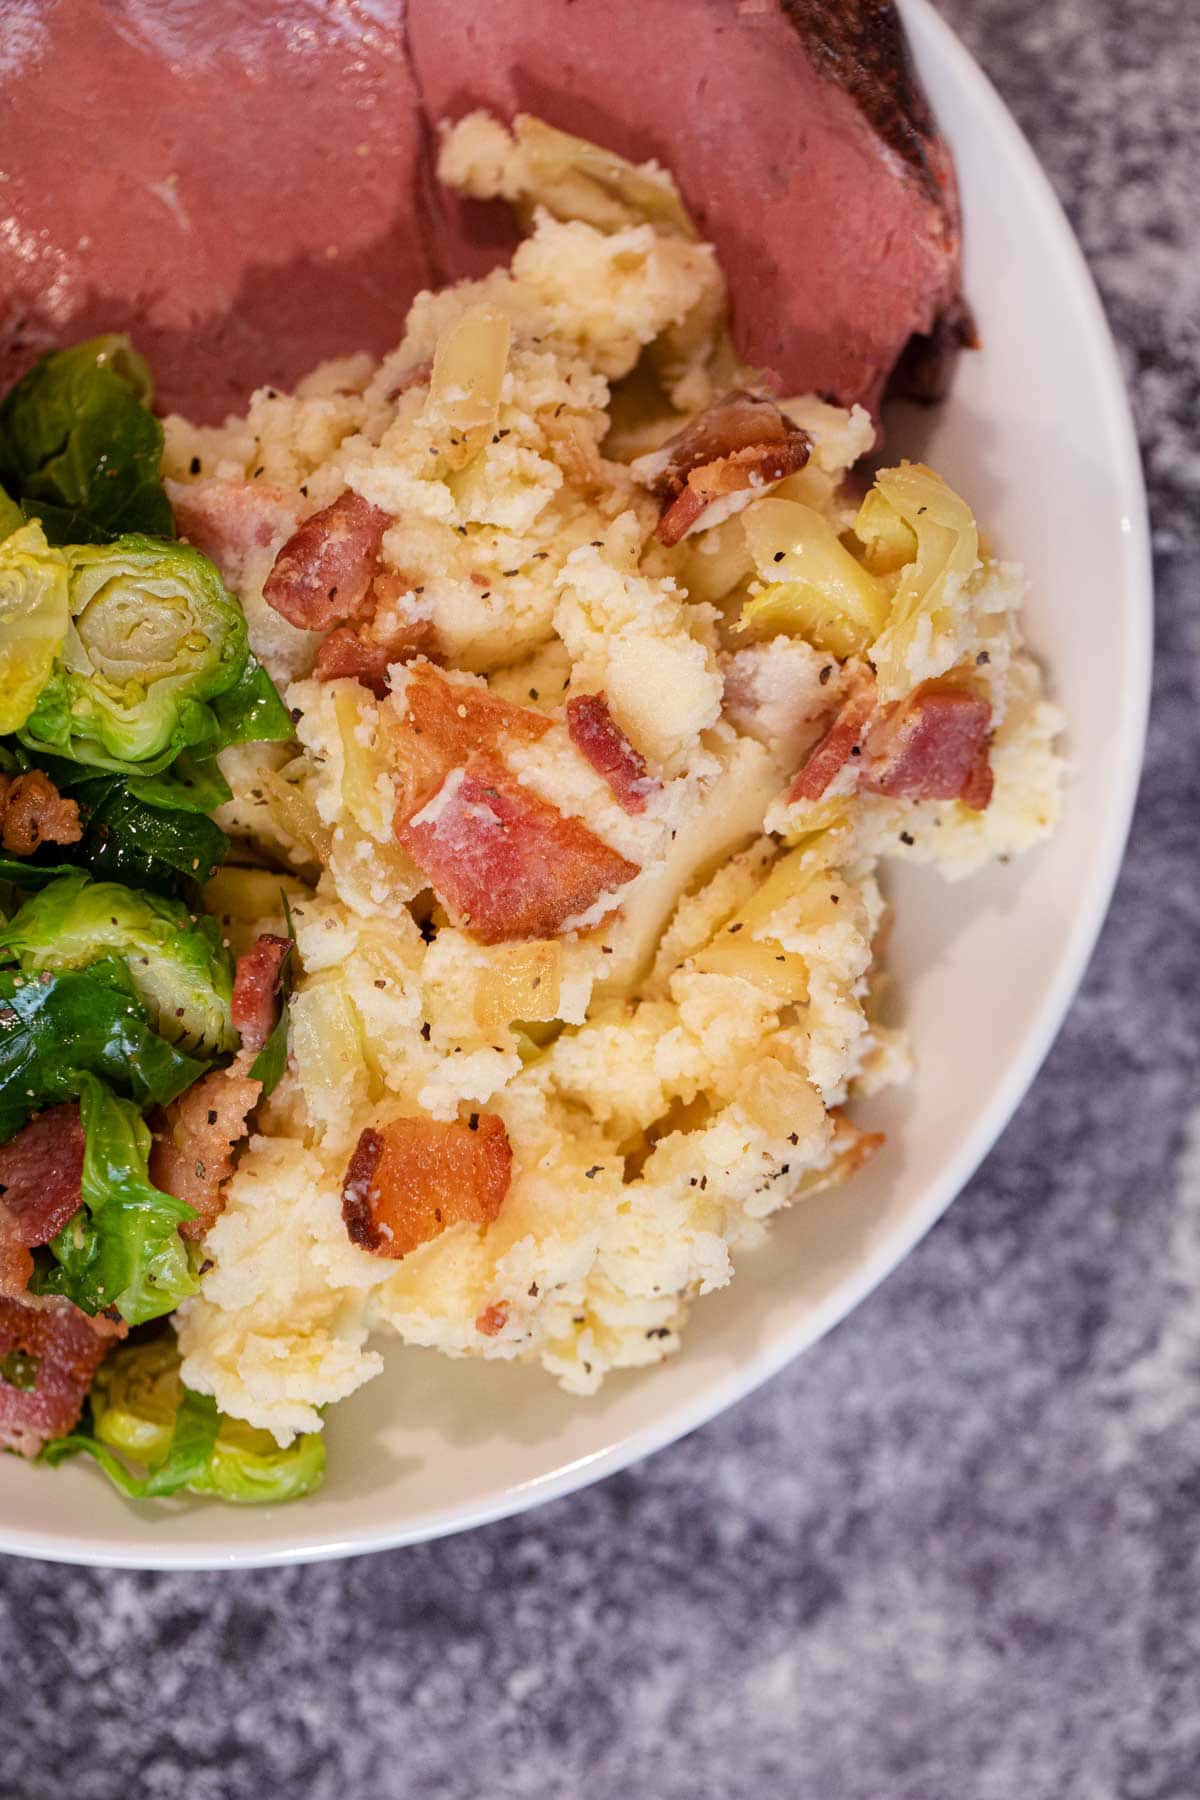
x,y
79,447
53,1028
180,969
122,1249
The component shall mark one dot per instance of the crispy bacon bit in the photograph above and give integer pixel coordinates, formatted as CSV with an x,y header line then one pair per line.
x,y
826,760
438,725
33,812
493,1319
977,789
255,1004
366,652
41,1170
358,656
197,1136
598,737
16,1263
727,456
411,1179
227,520
929,746
506,864
49,1352
192,1155
323,574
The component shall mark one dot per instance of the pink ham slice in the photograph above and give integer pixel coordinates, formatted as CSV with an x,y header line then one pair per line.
x,y
249,189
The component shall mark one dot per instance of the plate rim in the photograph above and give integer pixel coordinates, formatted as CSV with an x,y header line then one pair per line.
x,y
924,24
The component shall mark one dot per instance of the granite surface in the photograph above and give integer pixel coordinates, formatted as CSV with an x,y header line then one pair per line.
x,y
954,1552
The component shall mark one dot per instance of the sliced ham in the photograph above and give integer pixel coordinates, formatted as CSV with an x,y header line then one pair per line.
x,y
33,812
197,1137
411,1179
41,1171
505,863
597,736
323,574
251,246
229,520
932,746
726,457
49,1353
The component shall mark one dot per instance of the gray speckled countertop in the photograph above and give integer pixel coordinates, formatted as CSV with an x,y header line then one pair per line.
x,y
951,1554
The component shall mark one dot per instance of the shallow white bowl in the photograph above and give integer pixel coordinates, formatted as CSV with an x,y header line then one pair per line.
x,y
1038,436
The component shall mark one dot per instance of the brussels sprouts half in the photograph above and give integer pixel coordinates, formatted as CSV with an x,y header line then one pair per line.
x,y
34,617
179,967
154,637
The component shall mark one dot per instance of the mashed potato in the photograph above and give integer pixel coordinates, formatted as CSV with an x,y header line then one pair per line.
x,y
670,1064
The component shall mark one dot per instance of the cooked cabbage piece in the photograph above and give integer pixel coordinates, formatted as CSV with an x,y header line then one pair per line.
x,y
815,589
921,639
574,179
34,616
141,1409
464,388
154,637
179,967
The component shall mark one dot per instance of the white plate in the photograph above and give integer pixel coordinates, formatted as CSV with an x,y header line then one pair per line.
x,y
1038,436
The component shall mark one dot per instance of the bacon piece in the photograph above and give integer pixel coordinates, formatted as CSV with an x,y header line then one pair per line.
x,y
49,1353
844,737
411,1179
255,1004
33,812
506,864
928,746
347,653
195,1139
727,456
438,725
980,783
197,1136
366,652
41,1171
228,520
597,736
323,574
493,1319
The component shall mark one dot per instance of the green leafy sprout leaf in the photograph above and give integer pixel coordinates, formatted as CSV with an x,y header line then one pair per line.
x,y
80,449
180,970
122,1249
141,1412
